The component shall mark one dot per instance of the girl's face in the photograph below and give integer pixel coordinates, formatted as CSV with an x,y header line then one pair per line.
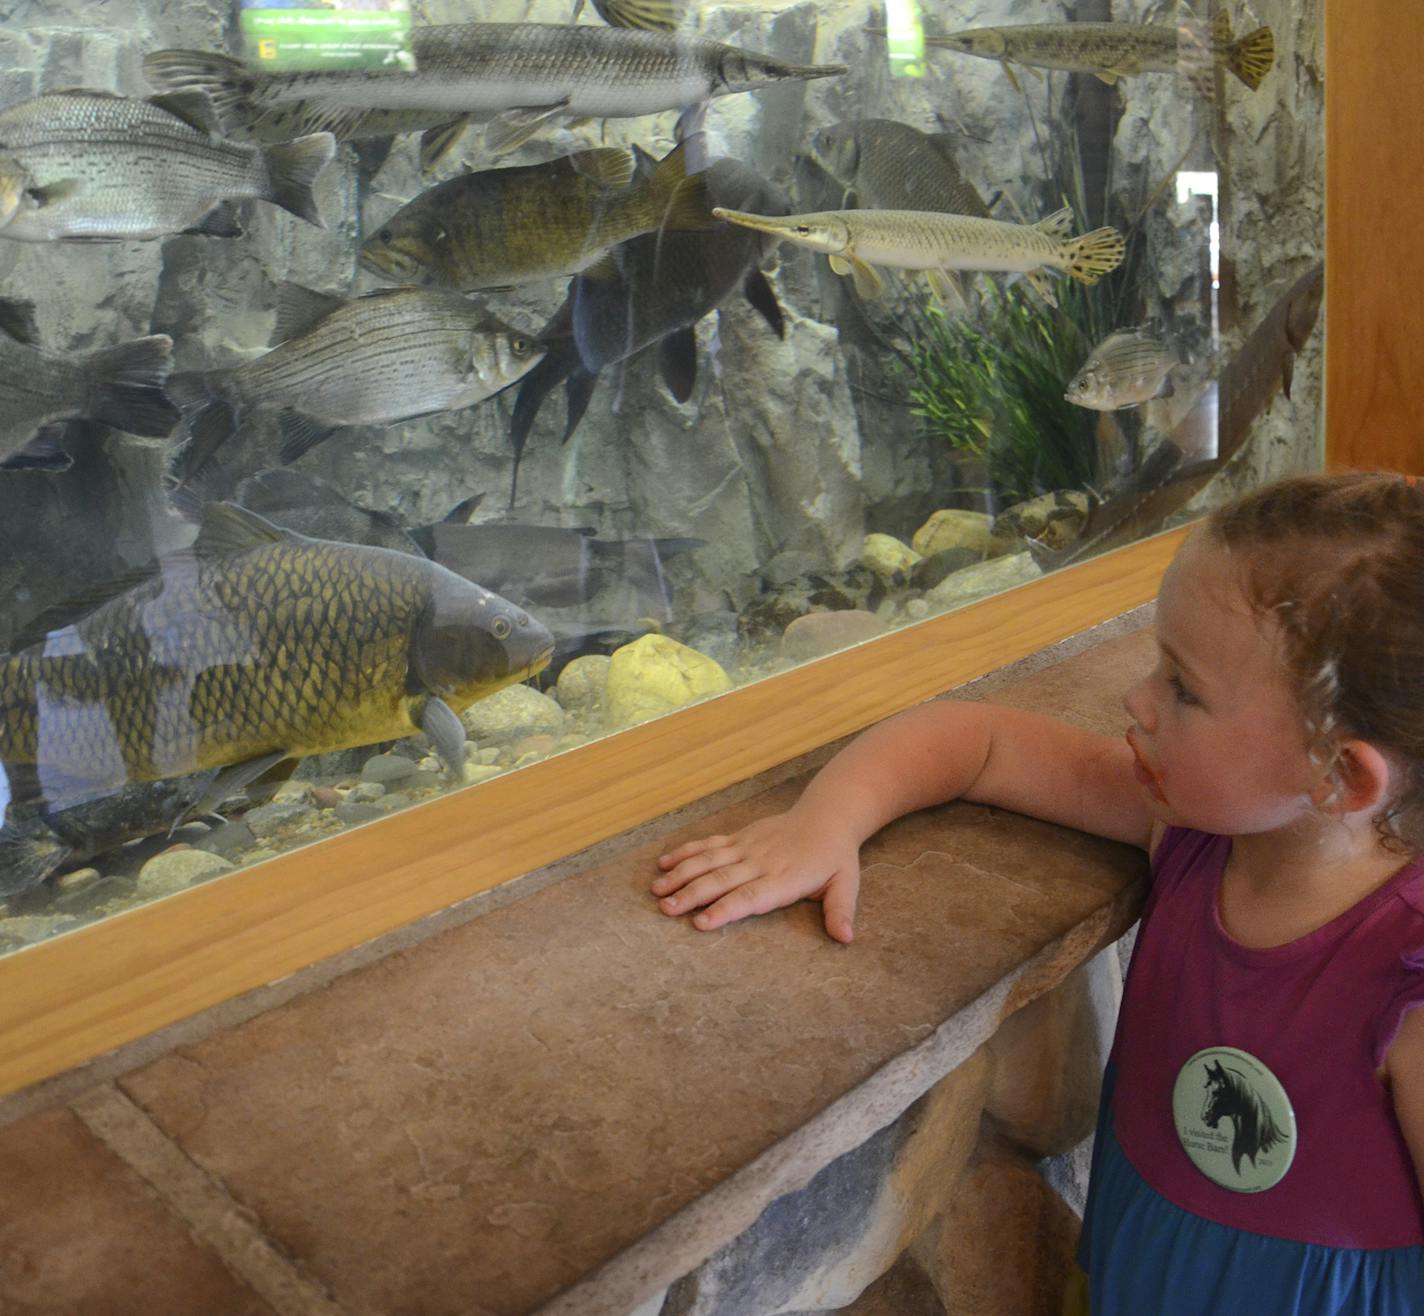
x,y
1219,738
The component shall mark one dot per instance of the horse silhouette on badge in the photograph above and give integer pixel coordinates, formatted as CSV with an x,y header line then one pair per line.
x,y
1230,1095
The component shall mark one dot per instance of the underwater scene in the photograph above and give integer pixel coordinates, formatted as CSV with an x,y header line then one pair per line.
x,y
391,398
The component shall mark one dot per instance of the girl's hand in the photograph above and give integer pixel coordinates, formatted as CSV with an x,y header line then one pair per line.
x,y
773,862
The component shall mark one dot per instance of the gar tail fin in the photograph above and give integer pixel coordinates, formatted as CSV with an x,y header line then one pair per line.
x,y
1094,254
1250,57
127,385
292,168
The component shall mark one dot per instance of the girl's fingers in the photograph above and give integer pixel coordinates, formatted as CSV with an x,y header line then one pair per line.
x,y
694,866
838,905
705,889
689,848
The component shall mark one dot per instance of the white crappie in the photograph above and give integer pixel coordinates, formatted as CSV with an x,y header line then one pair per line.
x,y
529,75
378,359
103,166
1125,370
857,241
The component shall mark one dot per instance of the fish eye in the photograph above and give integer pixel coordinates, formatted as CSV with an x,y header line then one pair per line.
x,y
385,236
804,230
519,345
500,628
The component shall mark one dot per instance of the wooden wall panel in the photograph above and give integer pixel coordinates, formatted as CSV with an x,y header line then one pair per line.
x,y
1374,271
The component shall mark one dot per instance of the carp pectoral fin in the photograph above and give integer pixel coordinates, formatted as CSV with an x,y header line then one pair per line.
x,y
437,143
761,295
511,129
299,309
300,434
677,362
1038,281
868,282
447,733
230,781
17,320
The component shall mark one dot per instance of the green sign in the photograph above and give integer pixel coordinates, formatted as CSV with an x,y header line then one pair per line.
x,y
376,36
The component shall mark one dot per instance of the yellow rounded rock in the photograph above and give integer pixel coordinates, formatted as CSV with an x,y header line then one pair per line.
x,y
955,527
885,555
655,675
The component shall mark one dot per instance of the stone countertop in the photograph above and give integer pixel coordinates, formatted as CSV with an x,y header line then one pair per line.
x,y
570,1101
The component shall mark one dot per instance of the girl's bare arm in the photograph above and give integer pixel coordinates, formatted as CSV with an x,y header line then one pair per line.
x,y
938,751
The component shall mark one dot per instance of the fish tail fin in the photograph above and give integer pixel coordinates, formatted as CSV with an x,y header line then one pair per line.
x,y
1094,254
128,386
26,858
679,201
203,397
1251,57
229,84
292,168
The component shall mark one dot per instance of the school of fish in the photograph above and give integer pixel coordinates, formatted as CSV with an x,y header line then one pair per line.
x,y
203,673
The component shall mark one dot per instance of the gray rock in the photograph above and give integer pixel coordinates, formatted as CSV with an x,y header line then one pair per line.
x,y
353,812
232,838
267,820
386,768
173,870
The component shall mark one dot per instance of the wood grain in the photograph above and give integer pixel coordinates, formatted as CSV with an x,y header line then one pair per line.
x,y
65,1001
1374,268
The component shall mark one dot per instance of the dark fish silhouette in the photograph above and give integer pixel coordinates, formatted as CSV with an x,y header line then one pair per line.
x,y
658,288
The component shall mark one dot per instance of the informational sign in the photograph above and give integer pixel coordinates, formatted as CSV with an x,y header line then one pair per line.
x,y
289,36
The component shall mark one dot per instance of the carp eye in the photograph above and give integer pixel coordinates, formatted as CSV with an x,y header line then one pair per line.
x,y
385,236
500,628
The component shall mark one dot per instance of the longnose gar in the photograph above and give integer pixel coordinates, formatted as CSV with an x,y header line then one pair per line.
x,y
856,241
1118,50
527,75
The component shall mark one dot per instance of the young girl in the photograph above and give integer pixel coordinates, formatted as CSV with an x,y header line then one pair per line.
x,y
1261,1142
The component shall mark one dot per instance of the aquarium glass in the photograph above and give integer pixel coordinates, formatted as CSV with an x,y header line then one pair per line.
x,y
390,401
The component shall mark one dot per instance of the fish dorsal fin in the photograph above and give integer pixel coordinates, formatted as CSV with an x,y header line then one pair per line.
x,y
79,605
1058,225
228,529
300,309
512,128
17,320
608,166
462,511
194,107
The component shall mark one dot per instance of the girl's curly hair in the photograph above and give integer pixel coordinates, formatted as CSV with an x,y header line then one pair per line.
x,y
1338,562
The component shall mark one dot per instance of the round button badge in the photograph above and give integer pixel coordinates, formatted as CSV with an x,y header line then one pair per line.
x,y
1234,1119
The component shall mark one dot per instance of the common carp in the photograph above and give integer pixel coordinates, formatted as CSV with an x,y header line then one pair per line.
x,y
254,646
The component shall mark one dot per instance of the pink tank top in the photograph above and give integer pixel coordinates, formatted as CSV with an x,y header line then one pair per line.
x,y
1318,1014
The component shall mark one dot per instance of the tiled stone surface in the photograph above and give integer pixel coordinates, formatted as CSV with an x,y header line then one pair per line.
x,y
471,1125
81,1234
475,1123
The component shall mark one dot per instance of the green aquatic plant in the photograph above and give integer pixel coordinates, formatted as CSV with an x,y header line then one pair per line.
x,y
991,385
